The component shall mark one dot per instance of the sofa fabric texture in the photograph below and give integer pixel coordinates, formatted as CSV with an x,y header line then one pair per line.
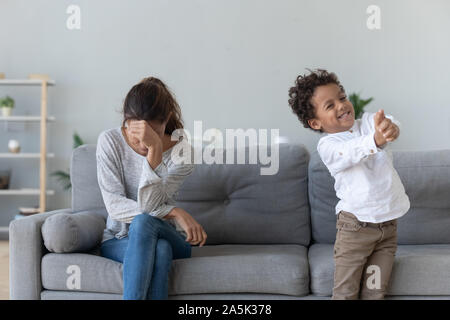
x,y
268,236
231,201
238,205
280,269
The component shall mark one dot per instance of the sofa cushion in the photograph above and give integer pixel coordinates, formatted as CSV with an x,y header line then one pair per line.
x,y
233,202
75,295
96,273
418,270
237,205
278,269
86,193
275,269
72,232
322,201
426,178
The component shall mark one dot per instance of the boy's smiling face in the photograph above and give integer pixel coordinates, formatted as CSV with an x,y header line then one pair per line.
x,y
334,112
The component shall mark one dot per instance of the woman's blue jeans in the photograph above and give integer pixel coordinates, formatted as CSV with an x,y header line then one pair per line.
x,y
146,254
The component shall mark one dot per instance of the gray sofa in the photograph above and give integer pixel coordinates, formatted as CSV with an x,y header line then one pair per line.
x,y
269,237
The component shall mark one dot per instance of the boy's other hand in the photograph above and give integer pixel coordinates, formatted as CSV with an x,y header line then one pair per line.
x,y
385,129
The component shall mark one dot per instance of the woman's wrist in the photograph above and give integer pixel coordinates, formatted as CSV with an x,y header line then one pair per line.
x,y
172,214
154,156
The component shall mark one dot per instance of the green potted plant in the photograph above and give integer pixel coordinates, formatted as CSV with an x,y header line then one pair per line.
x,y
64,176
6,103
359,104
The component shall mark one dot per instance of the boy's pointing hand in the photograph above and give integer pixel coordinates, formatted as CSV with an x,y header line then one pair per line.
x,y
385,129
379,117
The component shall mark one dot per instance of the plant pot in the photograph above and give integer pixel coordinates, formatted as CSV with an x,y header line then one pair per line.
x,y
4,179
6,111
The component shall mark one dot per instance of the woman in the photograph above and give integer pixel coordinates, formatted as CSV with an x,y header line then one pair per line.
x,y
137,178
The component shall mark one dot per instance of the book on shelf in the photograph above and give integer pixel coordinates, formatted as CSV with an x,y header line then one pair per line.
x,y
26,211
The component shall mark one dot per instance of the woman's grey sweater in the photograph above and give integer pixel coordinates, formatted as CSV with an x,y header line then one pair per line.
x,y
129,185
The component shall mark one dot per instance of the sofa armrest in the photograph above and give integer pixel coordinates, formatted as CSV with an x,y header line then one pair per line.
x,y
26,248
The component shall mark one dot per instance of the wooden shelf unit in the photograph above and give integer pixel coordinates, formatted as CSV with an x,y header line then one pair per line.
x,y
36,80
24,118
43,81
25,192
24,155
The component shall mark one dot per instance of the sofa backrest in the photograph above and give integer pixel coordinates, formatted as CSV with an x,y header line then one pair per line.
x,y
426,178
86,193
233,202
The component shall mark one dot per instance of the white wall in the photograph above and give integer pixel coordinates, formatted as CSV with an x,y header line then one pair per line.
x,y
229,62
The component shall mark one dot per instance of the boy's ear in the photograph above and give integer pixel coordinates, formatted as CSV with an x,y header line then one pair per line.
x,y
315,124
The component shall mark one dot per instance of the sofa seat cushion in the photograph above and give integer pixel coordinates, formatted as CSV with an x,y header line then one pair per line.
x,y
418,270
280,269
61,271
275,269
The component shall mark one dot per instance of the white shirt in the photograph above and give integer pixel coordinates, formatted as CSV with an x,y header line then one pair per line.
x,y
366,182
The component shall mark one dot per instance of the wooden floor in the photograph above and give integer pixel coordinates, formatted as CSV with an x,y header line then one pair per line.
x,y
4,270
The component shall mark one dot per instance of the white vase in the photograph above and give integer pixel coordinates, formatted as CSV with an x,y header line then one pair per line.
x,y
14,146
6,111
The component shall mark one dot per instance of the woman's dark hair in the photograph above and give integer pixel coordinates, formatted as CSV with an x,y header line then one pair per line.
x,y
151,100
300,94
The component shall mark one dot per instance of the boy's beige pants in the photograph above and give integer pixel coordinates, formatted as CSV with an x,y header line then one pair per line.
x,y
363,256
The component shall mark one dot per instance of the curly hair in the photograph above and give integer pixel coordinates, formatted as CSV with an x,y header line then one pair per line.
x,y
301,93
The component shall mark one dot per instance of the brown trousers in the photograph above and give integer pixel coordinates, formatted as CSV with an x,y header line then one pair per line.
x,y
363,255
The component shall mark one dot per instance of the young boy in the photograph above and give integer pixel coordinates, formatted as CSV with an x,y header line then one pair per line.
x,y
372,197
